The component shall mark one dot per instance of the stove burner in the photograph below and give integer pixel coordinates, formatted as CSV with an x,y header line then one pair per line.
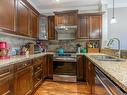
x,y
65,54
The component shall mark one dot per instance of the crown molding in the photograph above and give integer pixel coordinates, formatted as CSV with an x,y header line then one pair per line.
x,y
92,8
34,5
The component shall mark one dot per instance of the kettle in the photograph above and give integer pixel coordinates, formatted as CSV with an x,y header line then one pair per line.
x,y
61,51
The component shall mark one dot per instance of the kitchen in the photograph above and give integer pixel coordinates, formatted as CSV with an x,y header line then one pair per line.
x,y
63,47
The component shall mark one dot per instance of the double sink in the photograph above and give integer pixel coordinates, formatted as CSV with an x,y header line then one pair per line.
x,y
107,58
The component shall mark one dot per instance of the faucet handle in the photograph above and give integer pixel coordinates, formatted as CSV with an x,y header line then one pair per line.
x,y
117,54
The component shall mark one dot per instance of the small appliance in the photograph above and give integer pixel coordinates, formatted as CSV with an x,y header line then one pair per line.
x,y
4,50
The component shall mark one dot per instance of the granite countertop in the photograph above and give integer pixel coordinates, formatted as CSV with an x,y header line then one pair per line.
x,y
18,59
117,71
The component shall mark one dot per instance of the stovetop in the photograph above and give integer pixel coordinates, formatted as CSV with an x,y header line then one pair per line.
x,y
65,55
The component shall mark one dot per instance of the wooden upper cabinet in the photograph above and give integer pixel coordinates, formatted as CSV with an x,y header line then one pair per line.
x,y
95,27
7,15
34,27
23,18
83,27
51,28
66,18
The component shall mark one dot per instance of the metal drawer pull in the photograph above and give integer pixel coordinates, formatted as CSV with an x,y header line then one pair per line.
x,y
38,68
25,64
5,74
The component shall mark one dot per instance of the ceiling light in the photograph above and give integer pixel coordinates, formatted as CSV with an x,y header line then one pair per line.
x,y
57,0
113,20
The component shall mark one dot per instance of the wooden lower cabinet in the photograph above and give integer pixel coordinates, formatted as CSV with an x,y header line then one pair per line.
x,y
23,81
80,68
50,66
6,80
37,72
91,77
44,67
95,86
6,85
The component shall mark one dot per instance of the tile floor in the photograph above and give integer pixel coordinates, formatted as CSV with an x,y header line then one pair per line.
x,y
60,88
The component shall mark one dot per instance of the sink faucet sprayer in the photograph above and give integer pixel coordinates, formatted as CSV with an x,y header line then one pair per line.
x,y
118,41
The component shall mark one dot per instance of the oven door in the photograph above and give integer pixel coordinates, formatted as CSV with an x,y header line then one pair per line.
x,y
64,71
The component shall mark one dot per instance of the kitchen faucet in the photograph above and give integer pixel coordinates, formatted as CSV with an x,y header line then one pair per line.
x,y
118,41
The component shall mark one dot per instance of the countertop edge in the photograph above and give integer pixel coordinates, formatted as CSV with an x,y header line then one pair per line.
x,y
122,86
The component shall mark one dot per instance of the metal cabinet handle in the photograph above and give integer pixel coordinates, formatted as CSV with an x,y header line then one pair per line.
x,y
25,64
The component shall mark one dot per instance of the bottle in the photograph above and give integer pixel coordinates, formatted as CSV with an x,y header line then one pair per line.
x,y
79,49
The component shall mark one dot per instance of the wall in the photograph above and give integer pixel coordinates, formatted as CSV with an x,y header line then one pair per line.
x,y
14,41
118,30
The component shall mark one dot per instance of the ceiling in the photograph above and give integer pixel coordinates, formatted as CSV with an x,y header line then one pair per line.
x,y
47,7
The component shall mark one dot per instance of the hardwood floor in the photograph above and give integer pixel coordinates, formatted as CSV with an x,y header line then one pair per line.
x,y
60,88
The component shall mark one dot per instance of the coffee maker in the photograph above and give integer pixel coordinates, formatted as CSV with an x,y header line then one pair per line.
x,y
3,50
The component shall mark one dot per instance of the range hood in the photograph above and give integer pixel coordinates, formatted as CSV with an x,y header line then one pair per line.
x,y
66,32
66,28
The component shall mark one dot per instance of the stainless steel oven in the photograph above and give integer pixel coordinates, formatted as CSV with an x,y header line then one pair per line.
x,y
64,68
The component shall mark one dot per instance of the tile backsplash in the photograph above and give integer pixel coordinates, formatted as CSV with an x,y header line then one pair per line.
x,y
14,42
68,45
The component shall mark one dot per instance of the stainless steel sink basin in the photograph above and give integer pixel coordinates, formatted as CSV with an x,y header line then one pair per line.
x,y
107,58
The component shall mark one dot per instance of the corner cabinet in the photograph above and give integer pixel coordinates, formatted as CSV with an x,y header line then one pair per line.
x,y
7,15
23,20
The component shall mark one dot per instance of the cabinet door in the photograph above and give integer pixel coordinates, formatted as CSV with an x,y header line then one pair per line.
x,y
50,66
59,19
69,18
91,76
95,27
83,27
23,18
51,28
23,81
7,14
34,24
80,69
6,87
44,67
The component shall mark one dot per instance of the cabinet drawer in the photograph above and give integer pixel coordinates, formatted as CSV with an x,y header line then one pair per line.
x,y
22,65
37,60
37,67
37,79
4,71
